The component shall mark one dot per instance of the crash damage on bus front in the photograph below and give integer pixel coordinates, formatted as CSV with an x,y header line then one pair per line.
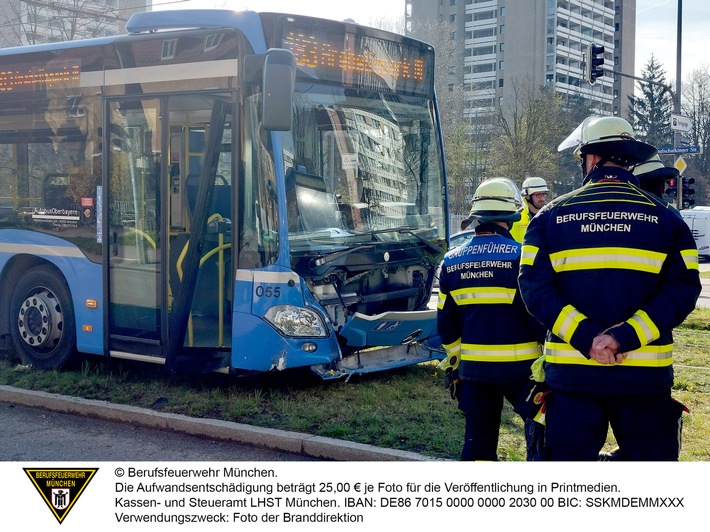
x,y
362,228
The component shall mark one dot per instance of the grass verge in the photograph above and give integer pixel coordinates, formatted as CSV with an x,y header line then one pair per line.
x,y
404,409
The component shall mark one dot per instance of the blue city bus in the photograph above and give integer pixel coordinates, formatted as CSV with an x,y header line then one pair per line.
x,y
222,191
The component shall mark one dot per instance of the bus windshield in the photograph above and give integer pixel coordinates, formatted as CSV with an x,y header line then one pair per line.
x,y
361,165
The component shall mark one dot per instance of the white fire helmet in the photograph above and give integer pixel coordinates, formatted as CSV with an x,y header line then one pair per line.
x,y
610,137
497,199
531,185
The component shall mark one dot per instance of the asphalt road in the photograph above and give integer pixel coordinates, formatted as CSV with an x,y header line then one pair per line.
x,y
39,426
704,299
34,434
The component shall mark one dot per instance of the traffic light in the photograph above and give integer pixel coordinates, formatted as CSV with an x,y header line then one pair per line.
x,y
688,192
594,63
671,190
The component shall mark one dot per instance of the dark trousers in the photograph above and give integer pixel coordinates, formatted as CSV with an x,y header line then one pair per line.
x,y
482,404
646,427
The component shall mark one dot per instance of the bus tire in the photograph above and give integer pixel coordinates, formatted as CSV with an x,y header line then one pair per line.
x,y
42,319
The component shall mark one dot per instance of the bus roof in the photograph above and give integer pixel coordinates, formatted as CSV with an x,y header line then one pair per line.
x,y
150,22
246,21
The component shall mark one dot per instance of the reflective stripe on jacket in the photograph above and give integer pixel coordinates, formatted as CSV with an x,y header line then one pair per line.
x,y
609,255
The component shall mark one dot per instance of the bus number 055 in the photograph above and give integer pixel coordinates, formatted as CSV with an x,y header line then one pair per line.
x,y
268,291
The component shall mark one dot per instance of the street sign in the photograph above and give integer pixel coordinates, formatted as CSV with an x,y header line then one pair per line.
x,y
667,150
680,164
680,123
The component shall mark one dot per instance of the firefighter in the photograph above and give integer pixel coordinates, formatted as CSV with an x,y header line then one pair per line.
x,y
534,191
610,270
490,339
652,174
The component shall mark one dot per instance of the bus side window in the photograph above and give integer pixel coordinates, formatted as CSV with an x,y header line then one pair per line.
x,y
249,256
221,196
55,192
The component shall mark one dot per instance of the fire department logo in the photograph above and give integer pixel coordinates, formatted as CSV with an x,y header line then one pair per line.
x,y
60,488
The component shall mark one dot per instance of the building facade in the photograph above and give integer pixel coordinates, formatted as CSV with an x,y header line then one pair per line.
x,y
544,41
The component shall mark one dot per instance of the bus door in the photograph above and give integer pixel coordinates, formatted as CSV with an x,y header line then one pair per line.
x,y
169,218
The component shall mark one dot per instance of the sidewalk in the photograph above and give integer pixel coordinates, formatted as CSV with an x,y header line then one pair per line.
x,y
293,442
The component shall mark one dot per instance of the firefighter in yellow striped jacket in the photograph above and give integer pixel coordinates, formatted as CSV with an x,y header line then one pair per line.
x,y
610,270
534,191
490,339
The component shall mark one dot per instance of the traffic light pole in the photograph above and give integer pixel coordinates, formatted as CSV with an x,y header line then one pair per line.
x,y
676,100
675,95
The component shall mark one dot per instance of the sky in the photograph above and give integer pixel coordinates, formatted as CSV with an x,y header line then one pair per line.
x,y
656,23
657,35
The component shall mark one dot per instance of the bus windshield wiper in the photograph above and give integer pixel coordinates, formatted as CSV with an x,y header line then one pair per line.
x,y
335,255
410,231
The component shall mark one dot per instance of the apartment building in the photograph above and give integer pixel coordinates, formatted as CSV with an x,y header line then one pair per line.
x,y
545,41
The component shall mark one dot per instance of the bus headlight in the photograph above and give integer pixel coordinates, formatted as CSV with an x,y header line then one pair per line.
x,y
296,321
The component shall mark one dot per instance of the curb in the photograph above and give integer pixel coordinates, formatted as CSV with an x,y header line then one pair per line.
x,y
275,439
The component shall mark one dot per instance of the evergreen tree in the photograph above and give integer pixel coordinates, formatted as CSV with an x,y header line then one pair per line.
x,y
650,113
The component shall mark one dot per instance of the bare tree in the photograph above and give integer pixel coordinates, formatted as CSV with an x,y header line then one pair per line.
x,y
465,144
38,21
527,132
459,171
696,106
388,24
14,25
448,80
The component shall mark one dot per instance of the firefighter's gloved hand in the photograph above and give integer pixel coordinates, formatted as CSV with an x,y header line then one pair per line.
x,y
450,362
450,366
452,381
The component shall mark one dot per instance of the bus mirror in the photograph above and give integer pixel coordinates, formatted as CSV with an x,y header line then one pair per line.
x,y
279,79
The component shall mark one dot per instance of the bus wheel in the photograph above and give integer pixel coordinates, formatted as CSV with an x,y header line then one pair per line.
x,y
43,331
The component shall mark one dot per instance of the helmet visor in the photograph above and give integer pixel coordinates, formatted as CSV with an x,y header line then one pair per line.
x,y
573,140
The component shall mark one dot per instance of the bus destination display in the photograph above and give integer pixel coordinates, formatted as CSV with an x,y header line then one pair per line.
x,y
362,61
32,78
